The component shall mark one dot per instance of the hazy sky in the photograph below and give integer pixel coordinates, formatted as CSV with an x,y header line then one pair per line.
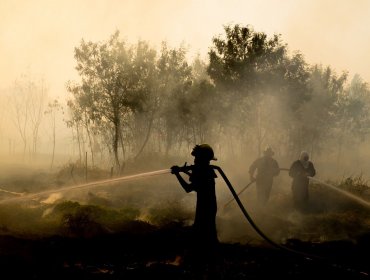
x,y
39,36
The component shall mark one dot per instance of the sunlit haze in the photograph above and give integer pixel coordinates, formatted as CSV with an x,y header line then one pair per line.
x,y
40,35
38,38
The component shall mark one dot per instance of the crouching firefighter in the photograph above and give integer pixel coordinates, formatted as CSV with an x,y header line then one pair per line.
x,y
201,180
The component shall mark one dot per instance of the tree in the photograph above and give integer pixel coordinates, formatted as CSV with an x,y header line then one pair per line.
x,y
38,99
52,110
175,79
27,102
241,62
198,112
352,119
317,115
19,105
246,66
112,84
144,116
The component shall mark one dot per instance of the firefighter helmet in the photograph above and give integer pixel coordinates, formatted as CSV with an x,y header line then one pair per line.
x,y
268,151
204,151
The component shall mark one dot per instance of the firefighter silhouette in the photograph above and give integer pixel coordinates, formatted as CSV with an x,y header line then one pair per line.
x,y
202,181
267,168
299,171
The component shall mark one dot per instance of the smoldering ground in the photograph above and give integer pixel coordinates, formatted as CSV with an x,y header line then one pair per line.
x,y
159,200
136,227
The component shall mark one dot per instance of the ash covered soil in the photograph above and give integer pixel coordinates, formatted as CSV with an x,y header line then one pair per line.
x,y
103,233
147,252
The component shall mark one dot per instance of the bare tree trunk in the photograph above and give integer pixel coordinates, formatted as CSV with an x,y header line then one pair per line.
x,y
37,106
79,142
146,138
89,137
123,151
116,137
53,153
20,103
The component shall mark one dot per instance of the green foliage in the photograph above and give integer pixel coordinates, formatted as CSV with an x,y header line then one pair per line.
x,y
133,100
356,185
115,80
90,220
242,60
175,80
352,116
21,220
169,213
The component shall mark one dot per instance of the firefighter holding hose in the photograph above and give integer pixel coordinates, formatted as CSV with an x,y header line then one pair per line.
x,y
266,168
300,170
201,180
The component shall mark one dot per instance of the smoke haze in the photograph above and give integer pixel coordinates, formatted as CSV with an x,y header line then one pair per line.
x,y
37,41
41,35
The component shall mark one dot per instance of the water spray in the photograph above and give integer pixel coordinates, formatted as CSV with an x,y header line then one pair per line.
x,y
88,185
10,192
343,192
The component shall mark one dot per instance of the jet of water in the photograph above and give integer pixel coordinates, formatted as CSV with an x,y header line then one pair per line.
x,y
87,185
347,194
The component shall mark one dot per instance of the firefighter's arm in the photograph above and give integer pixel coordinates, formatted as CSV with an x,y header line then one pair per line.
x,y
185,185
312,171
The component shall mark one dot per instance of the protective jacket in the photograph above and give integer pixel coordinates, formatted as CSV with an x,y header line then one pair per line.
x,y
300,182
267,168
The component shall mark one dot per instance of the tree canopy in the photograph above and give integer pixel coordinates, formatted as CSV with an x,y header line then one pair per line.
x,y
251,92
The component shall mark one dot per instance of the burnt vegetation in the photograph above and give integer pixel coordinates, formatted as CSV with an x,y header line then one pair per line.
x,y
135,230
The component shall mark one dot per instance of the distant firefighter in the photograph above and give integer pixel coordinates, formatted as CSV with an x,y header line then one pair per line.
x,y
299,171
267,168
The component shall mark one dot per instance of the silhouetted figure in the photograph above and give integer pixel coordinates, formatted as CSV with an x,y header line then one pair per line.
x,y
202,181
299,171
267,168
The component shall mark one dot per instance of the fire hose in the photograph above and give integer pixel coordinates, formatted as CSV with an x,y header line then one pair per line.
x,y
249,184
250,220
186,170
239,193
265,237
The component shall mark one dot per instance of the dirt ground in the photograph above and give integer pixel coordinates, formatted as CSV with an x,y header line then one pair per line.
x,y
144,251
147,253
